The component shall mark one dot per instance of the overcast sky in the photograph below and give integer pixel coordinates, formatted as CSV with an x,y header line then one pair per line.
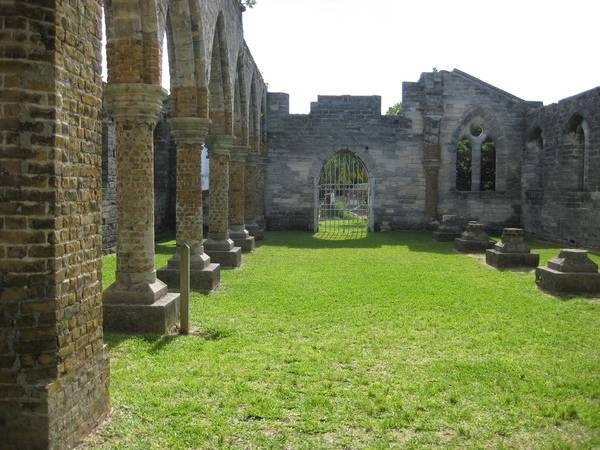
x,y
534,49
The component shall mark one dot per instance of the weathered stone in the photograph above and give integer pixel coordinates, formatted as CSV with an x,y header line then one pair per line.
x,y
473,240
450,228
219,246
135,108
571,272
511,251
189,135
237,199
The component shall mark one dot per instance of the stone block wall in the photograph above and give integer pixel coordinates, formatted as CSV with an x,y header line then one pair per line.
x,y
53,363
554,207
300,144
109,185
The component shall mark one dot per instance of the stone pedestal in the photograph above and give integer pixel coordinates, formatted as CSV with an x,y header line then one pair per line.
x,y
449,229
473,240
219,246
571,272
237,199
511,251
137,302
189,134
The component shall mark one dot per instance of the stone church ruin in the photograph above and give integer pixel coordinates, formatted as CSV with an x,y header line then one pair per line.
x,y
87,168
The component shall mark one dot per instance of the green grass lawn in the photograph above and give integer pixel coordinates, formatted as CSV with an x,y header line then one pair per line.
x,y
391,340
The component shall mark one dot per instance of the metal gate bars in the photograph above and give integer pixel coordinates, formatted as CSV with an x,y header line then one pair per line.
x,y
343,196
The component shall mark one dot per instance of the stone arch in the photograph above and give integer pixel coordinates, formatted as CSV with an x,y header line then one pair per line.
x,y
254,116
186,59
490,135
134,41
575,158
363,155
220,89
533,160
241,107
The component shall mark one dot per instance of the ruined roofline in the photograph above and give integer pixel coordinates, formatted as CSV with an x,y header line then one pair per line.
x,y
494,88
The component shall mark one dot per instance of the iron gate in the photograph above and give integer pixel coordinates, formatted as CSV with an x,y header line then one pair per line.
x,y
343,195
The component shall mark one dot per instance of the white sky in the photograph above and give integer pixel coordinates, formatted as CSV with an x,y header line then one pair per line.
x,y
534,49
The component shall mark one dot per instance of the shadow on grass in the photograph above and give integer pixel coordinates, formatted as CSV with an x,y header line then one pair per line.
x,y
417,241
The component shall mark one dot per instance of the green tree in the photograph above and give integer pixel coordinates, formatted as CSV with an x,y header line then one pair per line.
x,y
395,109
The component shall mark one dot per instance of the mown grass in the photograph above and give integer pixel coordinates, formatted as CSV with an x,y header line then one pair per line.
x,y
391,340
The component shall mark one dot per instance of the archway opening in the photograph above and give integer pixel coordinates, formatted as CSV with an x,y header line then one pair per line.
x,y
343,196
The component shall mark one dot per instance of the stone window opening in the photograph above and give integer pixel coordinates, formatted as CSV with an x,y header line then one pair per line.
x,y
533,161
476,160
575,155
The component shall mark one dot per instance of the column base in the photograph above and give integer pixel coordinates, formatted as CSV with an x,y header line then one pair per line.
x,y
466,246
446,236
226,258
256,231
501,260
567,282
203,280
160,317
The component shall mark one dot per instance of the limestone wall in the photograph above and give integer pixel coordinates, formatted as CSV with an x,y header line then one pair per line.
x,y
300,144
554,206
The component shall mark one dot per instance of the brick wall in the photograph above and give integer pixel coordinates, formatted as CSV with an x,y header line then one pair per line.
x,y
53,364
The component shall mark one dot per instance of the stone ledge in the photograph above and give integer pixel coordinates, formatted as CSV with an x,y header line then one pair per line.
x,y
466,246
204,280
230,259
161,317
247,244
501,260
567,282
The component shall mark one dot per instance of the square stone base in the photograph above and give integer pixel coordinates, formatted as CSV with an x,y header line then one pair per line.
x,y
205,280
567,282
161,317
257,232
465,246
501,260
445,236
247,244
230,259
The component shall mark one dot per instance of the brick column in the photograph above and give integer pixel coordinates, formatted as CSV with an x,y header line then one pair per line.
x,y
189,135
251,195
219,246
137,301
237,199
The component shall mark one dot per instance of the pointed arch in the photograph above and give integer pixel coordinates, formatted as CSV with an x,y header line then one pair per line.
x,y
241,108
254,116
220,89
483,156
575,152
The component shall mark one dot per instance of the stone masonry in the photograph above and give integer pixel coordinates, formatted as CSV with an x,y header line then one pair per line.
x,y
53,363
545,160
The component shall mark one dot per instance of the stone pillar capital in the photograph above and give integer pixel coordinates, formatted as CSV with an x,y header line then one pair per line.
x,y
219,144
134,101
189,130
239,153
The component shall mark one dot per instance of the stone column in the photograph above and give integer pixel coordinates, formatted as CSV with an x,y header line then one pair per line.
x,y
431,164
219,245
237,199
260,196
476,163
189,134
137,301
251,193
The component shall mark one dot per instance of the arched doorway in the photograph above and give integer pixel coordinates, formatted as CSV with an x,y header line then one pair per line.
x,y
343,195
